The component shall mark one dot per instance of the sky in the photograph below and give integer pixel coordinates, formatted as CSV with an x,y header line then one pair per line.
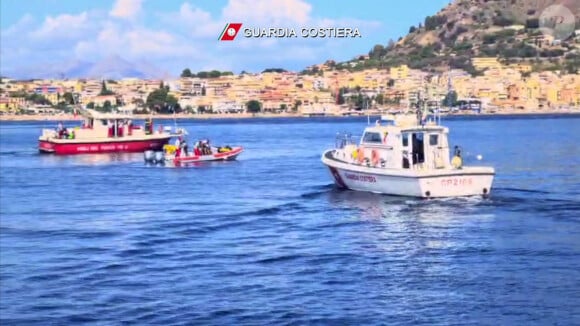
x,y
176,34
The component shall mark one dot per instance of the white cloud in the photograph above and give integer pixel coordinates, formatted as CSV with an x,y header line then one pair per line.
x,y
24,23
186,37
63,27
274,12
126,9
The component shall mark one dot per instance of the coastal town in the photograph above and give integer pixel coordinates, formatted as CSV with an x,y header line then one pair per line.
x,y
319,90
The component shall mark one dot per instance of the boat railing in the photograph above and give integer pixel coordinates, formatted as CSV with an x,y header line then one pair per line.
x,y
344,139
49,133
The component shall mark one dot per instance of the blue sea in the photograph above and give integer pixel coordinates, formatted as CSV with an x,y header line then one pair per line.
x,y
269,240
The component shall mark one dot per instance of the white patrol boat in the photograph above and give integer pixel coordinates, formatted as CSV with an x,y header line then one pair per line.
x,y
407,156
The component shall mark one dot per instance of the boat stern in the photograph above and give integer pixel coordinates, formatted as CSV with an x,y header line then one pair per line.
x,y
45,146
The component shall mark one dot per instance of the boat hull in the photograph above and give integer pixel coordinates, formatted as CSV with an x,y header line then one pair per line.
x,y
470,181
106,146
226,156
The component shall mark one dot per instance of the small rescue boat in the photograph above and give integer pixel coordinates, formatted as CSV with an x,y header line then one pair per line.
x,y
171,154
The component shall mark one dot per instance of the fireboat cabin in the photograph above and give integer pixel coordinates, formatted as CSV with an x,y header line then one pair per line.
x,y
103,133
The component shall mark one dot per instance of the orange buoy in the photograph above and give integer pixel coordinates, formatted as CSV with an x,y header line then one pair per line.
x,y
361,155
375,157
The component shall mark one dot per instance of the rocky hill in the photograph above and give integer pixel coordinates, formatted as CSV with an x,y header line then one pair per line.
x,y
507,29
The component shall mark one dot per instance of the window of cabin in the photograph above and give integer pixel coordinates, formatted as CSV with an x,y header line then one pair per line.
x,y
405,140
433,140
372,137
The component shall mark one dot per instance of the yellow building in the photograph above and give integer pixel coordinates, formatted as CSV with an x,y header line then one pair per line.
x,y
483,63
11,104
521,67
553,94
532,89
400,72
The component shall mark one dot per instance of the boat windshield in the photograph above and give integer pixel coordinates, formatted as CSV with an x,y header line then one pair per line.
x,y
343,139
372,137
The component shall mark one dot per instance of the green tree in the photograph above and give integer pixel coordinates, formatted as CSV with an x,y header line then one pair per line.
x,y
283,107
68,98
202,74
186,73
158,99
254,106
203,91
214,74
138,102
379,99
391,83
377,52
171,100
297,104
450,99
341,100
104,90
91,105
107,106
38,99
278,70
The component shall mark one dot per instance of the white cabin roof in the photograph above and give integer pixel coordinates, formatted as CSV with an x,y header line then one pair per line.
x,y
403,122
89,113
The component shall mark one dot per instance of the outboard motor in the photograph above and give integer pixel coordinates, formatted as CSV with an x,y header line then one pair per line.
x,y
149,156
159,157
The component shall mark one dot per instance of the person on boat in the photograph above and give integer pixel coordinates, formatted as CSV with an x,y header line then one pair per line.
x,y
61,130
148,126
202,147
457,161
183,145
207,147
178,147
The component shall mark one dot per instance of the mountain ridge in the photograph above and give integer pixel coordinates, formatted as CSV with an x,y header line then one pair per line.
x,y
110,67
505,29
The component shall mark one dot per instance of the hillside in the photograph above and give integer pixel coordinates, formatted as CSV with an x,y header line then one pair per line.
x,y
507,29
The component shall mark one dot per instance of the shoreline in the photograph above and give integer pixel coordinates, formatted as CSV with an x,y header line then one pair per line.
x,y
207,116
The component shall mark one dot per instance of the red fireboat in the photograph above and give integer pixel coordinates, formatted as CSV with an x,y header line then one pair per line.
x,y
103,133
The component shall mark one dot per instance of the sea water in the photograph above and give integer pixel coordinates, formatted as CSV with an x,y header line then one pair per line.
x,y
268,240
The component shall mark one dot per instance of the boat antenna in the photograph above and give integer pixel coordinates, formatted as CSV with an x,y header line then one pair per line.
x,y
367,109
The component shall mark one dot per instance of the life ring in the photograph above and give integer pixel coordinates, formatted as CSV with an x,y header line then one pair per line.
x,y
375,157
361,155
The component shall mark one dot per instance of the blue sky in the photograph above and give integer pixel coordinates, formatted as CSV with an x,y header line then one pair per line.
x,y
174,34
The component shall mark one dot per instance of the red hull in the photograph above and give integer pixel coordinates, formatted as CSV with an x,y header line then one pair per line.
x,y
113,146
214,157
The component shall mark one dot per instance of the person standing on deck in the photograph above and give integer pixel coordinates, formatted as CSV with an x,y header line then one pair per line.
x,y
178,146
